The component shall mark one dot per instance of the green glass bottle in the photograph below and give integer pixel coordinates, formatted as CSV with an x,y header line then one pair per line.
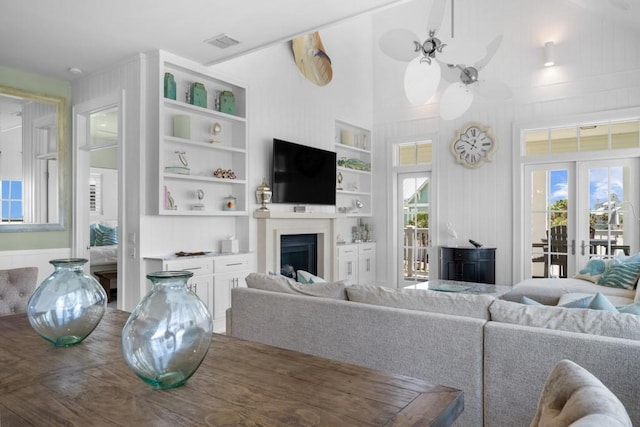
x,y
169,86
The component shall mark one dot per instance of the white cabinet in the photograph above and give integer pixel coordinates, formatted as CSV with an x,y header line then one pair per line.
x,y
213,278
366,263
195,141
353,183
228,272
201,281
356,263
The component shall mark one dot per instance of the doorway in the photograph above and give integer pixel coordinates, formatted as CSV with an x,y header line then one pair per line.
x,y
413,227
97,196
573,214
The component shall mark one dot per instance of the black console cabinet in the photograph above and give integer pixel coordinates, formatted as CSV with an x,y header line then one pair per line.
x,y
468,264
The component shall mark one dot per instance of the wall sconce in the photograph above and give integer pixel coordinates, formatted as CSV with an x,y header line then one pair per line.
x,y
549,55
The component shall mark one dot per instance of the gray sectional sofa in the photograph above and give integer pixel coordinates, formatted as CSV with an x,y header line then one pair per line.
x,y
498,352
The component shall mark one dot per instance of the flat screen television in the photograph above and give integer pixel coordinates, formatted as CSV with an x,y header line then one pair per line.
x,y
302,174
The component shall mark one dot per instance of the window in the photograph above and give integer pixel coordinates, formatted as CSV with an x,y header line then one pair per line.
x,y
583,138
414,153
95,194
11,198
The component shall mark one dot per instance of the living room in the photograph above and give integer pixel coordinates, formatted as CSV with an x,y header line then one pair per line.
x,y
595,78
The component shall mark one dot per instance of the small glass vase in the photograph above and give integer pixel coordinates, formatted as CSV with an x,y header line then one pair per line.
x,y
168,334
68,305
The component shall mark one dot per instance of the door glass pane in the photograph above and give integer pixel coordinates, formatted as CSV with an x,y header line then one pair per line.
x,y
549,223
606,220
415,231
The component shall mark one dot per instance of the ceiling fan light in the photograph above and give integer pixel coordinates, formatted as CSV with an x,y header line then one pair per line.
x,y
549,54
421,81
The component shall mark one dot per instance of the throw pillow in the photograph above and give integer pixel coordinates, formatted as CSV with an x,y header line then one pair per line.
x,y
620,274
306,277
106,236
600,302
529,301
630,309
577,303
92,234
266,282
592,270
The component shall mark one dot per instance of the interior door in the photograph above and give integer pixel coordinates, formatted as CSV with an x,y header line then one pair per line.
x,y
413,227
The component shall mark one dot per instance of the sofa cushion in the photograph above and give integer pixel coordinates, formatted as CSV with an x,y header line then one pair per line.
x,y
468,305
573,396
266,282
586,321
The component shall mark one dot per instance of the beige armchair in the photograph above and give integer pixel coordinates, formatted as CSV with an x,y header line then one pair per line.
x,y
16,287
572,396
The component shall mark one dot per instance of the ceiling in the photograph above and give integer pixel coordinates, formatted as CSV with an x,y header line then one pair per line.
x,y
49,37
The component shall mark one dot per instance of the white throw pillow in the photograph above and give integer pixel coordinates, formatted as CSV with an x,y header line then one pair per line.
x,y
307,278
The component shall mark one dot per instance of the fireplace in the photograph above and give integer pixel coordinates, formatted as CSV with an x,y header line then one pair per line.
x,y
272,226
298,252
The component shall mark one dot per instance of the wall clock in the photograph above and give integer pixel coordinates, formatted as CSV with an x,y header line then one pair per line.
x,y
474,145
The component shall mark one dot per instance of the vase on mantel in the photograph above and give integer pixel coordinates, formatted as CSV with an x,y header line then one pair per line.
x,y
168,334
68,305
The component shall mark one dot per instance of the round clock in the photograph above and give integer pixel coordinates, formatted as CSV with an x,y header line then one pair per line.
x,y
473,145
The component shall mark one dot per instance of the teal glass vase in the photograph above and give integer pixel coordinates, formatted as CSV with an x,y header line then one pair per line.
x,y
168,334
68,305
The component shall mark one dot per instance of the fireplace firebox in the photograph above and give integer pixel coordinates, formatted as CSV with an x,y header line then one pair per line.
x,y
298,252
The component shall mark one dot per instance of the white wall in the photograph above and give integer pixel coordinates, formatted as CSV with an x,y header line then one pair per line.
x,y
284,104
598,69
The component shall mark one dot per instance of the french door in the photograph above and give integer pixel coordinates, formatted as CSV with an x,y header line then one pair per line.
x,y
413,227
573,211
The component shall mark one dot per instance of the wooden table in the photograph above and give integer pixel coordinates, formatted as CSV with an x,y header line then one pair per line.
x,y
239,383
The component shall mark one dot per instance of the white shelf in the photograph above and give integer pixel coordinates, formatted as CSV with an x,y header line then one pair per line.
x,y
229,152
356,146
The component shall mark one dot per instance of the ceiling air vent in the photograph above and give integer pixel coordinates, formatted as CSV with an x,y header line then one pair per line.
x,y
222,41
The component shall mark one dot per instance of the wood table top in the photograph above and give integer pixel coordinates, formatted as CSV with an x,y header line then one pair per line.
x,y
239,383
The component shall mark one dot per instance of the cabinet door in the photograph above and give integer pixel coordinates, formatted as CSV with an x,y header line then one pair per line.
x,y
366,270
201,286
222,285
348,268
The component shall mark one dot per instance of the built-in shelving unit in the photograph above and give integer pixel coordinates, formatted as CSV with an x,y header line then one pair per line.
x,y
354,157
188,160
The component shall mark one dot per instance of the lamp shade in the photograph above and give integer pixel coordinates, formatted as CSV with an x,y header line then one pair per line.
x,y
421,81
549,54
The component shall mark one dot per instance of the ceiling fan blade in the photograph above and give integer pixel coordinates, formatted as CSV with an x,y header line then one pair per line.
x,y
450,73
421,81
434,23
456,99
398,44
491,50
493,89
461,51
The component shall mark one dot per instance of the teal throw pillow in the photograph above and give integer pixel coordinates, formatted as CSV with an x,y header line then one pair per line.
x,y
106,236
630,258
529,301
92,234
620,275
601,302
592,270
579,303
630,309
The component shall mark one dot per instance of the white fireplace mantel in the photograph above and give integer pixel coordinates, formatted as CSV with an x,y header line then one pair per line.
x,y
273,225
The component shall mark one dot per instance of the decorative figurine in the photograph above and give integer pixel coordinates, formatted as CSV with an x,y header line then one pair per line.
x,y
216,128
340,178
199,206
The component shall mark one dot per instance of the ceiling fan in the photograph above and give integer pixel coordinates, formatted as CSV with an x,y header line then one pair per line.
x,y
423,73
466,82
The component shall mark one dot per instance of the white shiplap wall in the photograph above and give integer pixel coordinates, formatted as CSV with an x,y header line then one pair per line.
x,y
598,69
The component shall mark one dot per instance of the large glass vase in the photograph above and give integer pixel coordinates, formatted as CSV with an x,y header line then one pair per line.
x,y
68,305
168,334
